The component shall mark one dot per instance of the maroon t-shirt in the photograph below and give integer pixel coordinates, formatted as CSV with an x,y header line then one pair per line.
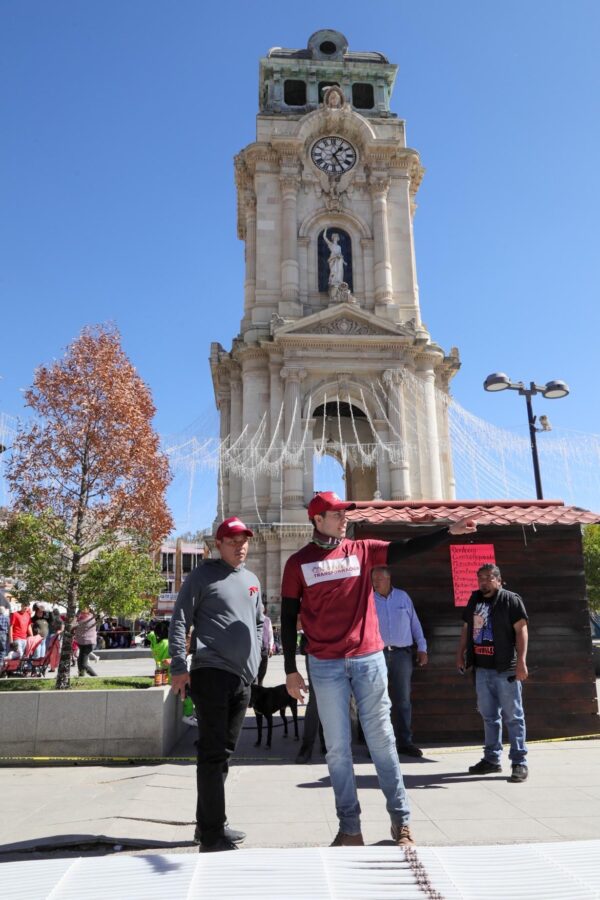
x,y
337,609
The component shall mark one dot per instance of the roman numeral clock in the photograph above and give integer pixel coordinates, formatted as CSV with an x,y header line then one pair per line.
x,y
333,155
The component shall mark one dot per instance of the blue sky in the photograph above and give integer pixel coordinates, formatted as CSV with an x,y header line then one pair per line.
x,y
120,122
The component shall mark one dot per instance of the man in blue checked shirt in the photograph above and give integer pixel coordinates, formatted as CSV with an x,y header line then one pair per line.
x,y
400,629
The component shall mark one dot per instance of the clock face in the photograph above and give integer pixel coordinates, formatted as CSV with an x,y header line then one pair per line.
x,y
333,155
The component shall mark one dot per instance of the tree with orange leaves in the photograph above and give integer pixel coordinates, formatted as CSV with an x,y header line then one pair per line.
x,y
91,458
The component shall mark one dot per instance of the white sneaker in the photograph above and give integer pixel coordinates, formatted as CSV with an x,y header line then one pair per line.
x,y
191,720
94,657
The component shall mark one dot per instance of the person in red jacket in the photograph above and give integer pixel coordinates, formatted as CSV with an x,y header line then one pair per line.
x,y
328,582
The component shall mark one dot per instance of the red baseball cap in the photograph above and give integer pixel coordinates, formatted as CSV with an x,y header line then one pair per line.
x,y
323,501
232,526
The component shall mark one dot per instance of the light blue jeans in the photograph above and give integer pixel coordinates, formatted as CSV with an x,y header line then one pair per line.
x,y
500,700
365,677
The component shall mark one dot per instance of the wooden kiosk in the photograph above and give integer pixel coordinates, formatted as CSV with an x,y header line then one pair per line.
x,y
537,545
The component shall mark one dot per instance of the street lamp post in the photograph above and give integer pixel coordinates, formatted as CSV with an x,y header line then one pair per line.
x,y
552,390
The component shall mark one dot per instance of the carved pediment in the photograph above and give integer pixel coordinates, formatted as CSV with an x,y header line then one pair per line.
x,y
344,320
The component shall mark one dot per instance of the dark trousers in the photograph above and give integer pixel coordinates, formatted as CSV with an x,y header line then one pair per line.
x,y
312,723
221,700
400,667
83,665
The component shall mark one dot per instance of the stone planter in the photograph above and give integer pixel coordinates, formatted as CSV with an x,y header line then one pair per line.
x,y
107,724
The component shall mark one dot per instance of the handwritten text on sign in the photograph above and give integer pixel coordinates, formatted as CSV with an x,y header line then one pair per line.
x,y
466,559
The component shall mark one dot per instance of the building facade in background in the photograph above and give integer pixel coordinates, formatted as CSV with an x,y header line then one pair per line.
x,y
176,560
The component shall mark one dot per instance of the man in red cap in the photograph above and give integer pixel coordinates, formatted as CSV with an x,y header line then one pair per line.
x,y
221,599
328,582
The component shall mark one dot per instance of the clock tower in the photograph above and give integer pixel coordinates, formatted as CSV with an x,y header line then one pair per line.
x,y
332,355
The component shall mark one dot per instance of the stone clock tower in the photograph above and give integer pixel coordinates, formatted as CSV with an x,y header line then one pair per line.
x,y
332,355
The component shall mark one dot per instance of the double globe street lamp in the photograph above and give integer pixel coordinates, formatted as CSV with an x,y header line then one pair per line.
x,y
553,390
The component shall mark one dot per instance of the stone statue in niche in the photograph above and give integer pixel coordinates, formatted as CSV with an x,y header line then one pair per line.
x,y
336,260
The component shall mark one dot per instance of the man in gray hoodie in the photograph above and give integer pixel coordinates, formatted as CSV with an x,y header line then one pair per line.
x,y
221,599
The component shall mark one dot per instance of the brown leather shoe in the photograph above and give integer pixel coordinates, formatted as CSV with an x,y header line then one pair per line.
x,y
348,840
401,835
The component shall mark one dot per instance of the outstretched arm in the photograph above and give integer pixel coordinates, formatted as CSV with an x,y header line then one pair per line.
x,y
399,550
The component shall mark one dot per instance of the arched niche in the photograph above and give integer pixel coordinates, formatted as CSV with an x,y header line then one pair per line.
x,y
311,236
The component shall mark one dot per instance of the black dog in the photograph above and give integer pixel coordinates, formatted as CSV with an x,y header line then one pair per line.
x,y
267,701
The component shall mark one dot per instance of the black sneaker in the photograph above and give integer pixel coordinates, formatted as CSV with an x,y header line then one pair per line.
x,y
230,834
304,755
218,846
409,750
519,774
483,767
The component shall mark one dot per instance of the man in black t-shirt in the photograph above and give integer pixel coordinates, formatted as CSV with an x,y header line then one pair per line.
x,y
494,641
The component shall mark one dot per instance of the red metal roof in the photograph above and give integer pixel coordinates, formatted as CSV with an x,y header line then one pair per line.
x,y
486,512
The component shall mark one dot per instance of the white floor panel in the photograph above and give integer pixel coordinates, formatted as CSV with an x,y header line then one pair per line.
x,y
565,871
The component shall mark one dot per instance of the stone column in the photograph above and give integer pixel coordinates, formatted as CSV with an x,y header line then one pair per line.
x,y
448,479
224,403
399,467
235,427
255,490
293,487
383,461
250,251
309,469
272,586
427,375
289,232
367,249
378,187
276,399
303,244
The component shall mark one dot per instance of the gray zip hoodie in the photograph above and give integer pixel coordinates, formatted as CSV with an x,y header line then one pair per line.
x,y
224,605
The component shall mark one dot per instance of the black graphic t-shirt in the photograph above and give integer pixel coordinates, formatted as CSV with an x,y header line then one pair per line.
x,y
483,635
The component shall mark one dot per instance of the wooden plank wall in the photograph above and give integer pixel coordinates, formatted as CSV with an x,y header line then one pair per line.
x,y
544,566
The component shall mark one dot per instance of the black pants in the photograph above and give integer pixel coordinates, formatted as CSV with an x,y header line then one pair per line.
x,y
221,700
83,665
312,723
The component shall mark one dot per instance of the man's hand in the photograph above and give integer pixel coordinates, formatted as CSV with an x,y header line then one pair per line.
x,y
296,686
179,684
466,525
521,673
421,658
460,663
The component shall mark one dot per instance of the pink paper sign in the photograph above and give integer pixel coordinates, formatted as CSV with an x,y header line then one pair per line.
x,y
465,560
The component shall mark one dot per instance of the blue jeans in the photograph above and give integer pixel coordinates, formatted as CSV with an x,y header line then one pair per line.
x,y
500,700
400,666
365,677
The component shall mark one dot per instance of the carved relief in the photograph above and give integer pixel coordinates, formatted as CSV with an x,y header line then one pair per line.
x,y
343,326
340,293
333,97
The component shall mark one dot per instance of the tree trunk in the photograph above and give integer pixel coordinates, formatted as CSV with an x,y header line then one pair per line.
x,y
63,674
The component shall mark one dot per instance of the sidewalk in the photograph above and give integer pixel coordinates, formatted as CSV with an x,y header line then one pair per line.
x,y
69,809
